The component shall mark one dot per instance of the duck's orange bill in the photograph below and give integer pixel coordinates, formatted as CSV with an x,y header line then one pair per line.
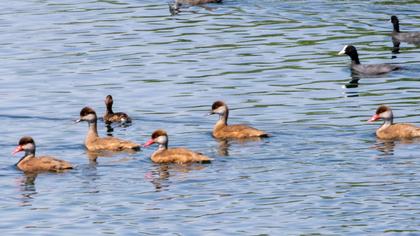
x,y
374,118
17,149
148,143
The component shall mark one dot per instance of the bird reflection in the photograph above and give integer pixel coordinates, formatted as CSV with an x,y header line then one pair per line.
x,y
109,129
224,144
27,187
386,147
160,176
93,155
175,7
110,126
223,149
353,83
396,46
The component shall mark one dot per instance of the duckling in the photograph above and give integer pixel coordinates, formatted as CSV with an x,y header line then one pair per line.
x,y
224,131
31,163
95,143
110,116
172,155
389,130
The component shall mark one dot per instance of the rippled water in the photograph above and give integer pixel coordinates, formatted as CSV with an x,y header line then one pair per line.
x,y
274,63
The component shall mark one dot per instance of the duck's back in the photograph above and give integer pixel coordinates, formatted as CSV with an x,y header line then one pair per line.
x,y
111,144
238,131
179,155
399,131
116,117
44,163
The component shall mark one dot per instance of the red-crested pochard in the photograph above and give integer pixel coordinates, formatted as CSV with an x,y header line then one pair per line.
x,y
172,155
224,131
110,116
389,130
95,143
31,163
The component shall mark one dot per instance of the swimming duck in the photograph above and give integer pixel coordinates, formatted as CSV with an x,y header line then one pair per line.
x,y
110,116
371,69
224,131
389,130
31,163
95,143
174,8
409,37
172,155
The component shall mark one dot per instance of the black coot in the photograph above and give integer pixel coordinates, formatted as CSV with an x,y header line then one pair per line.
x,y
371,69
409,37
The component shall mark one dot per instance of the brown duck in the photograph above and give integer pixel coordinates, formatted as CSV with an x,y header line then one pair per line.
x,y
110,116
95,143
172,155
224,131
31,163
389,130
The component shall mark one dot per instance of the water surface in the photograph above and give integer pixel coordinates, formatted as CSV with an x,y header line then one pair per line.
x,y
274,63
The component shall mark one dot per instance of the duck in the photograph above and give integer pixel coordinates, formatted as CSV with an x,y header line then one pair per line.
x,y
409,37
389,130
110,116
224,131
95,143
172,155
31,163
371,69
174,8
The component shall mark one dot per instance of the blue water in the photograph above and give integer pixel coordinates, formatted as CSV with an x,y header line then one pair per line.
x,y
273,62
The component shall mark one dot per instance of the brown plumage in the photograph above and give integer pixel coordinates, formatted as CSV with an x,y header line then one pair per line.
x,y
224,131
172,155
110,116
95,143
31,163
389,130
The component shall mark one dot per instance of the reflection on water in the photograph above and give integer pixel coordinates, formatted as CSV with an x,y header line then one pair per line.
x,y
110,127
94,155
225,144
27,188
176,7
396,46
353,83
161,174
385,147
223,149
109,130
